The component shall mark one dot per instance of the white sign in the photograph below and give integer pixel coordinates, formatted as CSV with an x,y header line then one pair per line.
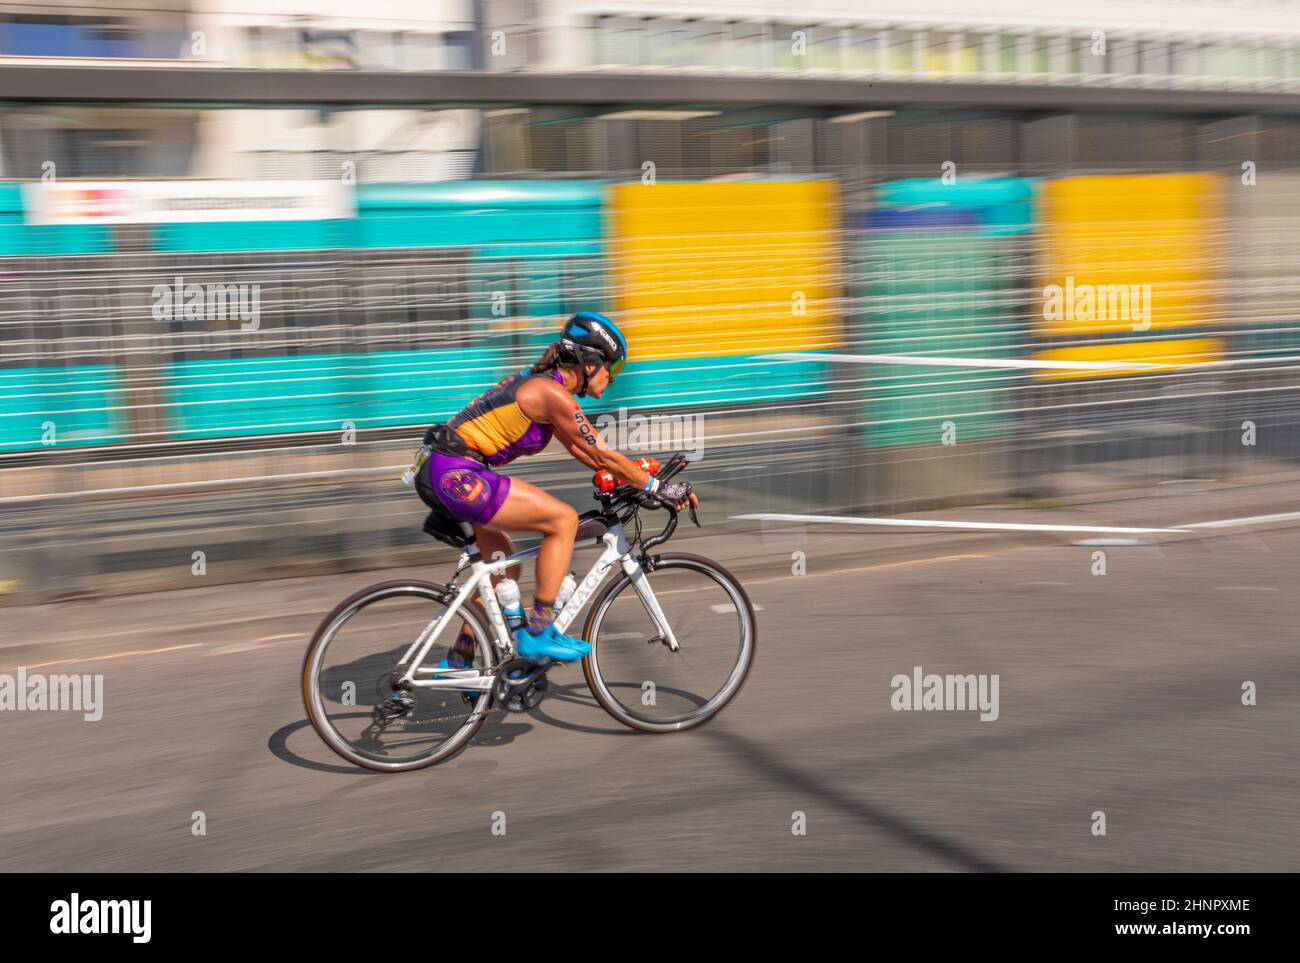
x,y
171,202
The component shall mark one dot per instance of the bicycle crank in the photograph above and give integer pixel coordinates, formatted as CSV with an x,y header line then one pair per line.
x,y
521,685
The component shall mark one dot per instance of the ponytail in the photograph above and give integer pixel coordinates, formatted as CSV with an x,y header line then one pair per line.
x,y
548,361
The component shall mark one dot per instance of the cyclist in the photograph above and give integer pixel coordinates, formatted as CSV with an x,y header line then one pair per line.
x,y
518,416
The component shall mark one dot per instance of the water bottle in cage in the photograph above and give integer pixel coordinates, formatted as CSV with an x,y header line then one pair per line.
x,y
421,456
508,596
566,590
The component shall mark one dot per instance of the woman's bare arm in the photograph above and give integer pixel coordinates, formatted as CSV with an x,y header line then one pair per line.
x,y
548,403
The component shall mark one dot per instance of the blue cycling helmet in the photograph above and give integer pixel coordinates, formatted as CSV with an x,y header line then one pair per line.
x,y
591,338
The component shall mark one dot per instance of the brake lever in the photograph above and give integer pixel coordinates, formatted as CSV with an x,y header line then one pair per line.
x,y
695,518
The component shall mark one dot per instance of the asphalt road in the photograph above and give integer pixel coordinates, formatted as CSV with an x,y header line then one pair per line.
x,y
1118,693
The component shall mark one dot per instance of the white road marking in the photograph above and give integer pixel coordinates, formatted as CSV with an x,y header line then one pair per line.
x,y
850,571
115,655
207,626
263,643
1247,588
1027,363
1019,364
1251,520
828,574
966,526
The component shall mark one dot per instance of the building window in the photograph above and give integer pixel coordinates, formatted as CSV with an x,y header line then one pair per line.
x,y
748,46
903,45
824,48
674,43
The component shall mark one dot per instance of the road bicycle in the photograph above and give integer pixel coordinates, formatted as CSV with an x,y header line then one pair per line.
x,y
672,639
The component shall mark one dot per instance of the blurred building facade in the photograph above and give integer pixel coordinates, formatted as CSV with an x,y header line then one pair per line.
x,y
1195,44
276,34
88,142
1198,44
1165,44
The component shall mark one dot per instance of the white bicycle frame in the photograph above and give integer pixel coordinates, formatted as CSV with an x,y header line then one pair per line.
x,y
617,549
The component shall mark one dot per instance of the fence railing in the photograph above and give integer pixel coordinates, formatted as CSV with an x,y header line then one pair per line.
x,y
930,348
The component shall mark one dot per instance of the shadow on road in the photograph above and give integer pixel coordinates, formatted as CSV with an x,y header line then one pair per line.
x,y
776,770
500,729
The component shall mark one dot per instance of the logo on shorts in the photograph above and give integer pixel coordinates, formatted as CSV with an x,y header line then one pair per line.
x,y
462,485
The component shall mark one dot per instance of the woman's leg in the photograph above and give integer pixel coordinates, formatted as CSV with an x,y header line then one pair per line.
x,y
489,543
497,505
529,509
526,508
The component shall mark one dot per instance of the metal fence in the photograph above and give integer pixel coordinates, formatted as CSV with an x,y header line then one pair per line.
x,y
940,382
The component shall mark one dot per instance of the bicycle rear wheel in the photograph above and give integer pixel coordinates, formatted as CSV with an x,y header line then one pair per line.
x,y
351,665
634,674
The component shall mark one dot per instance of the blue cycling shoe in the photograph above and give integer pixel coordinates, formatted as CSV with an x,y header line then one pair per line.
x,y
549,644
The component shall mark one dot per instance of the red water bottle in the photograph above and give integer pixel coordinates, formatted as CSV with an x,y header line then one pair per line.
x,y
604,480
649,464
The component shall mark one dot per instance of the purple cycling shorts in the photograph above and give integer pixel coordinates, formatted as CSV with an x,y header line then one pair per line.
x,y
467,489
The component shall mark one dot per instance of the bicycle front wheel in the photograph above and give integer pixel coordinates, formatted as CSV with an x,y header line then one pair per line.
x,y
633,671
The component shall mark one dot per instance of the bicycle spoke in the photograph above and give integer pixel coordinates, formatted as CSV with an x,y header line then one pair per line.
x,y
639,679
357,700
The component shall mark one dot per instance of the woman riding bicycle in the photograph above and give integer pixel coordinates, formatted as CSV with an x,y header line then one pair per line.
x,y
518,416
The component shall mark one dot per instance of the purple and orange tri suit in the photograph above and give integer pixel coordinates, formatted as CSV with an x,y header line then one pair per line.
x,y
495,426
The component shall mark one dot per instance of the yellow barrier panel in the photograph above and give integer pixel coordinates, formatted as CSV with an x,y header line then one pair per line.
x,y
725,268
1127,252
1126,355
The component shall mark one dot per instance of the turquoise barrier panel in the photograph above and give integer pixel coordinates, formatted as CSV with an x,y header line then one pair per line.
x,y
420,387
414,387
735,379
257,396
535,247
537,244
253,235
19,238
393,388
541,242
326,392
473,213
70,406
537,280
1003,205
937,267
543,235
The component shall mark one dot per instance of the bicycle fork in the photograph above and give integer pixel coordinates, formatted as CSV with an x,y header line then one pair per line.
x,y
641,585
